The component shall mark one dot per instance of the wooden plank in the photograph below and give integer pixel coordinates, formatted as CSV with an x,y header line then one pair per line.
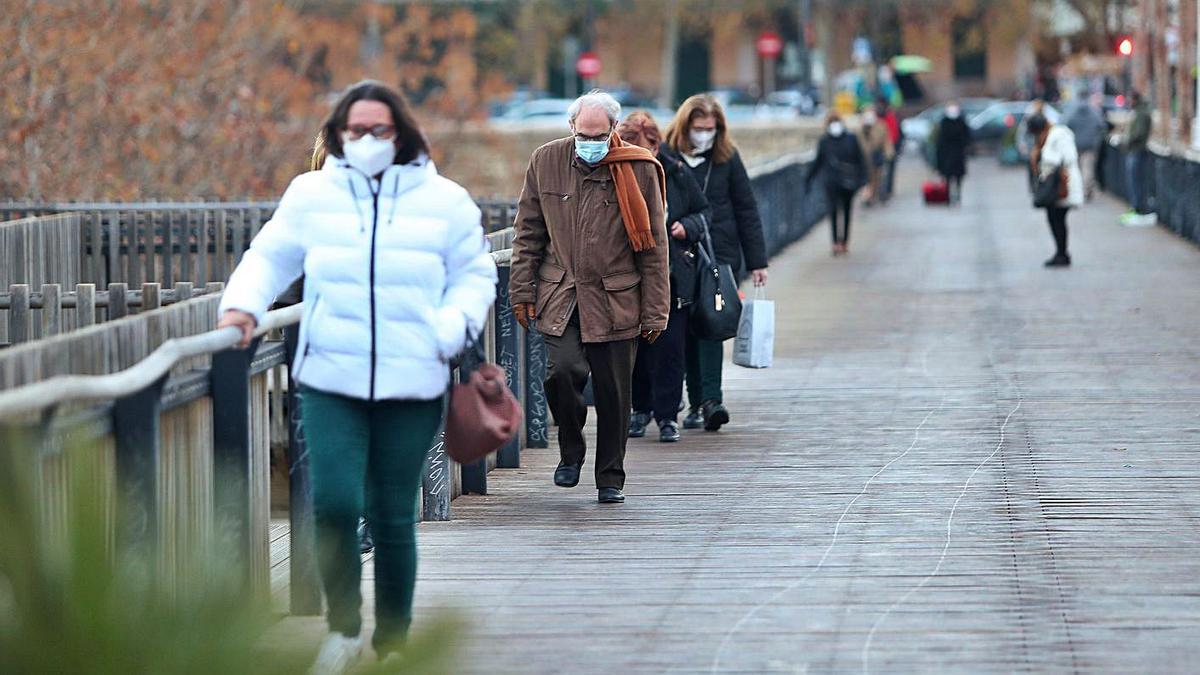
x,y
960,462
168,224
19,315
52,318
85,305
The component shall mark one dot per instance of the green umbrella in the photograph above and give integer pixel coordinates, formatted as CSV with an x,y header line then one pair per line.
x,y
911,63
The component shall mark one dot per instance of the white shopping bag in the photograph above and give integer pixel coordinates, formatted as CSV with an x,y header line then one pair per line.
x,y
754,346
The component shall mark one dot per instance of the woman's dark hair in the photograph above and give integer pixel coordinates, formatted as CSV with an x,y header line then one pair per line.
x,y
1037,124
410,141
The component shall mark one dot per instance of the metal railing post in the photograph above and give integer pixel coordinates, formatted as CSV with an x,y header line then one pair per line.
x,y
305,585
537,409
474,476
508,357
229,382
136,435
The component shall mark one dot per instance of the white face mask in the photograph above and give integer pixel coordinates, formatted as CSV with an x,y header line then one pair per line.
x,y
368,154
953,112
836,129
702,141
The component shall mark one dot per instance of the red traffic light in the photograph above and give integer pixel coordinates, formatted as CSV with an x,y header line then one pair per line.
x,y
1125,46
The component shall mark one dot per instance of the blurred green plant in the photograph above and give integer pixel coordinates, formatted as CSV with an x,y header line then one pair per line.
x,y
68,606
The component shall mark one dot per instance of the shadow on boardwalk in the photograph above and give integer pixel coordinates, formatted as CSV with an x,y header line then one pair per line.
x,y
961,461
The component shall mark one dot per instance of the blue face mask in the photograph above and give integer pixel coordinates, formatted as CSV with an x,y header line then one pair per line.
x,y
591,151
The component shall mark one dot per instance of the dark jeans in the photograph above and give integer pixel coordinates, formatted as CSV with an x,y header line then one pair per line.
x,y
841,203
1134,162
611,367
1058,227
705,359
890,179
658,375
372,453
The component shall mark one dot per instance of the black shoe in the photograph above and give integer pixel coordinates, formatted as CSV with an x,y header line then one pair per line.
x,y
611,496
1059,261
715,416
365,543
694,419
567,475
637,424
668,432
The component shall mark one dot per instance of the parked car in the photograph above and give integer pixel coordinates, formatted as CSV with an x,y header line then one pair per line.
x,y
537,109
802,103
1003,123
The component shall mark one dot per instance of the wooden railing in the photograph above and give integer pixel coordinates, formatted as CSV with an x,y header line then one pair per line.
x,y
184,424
132,244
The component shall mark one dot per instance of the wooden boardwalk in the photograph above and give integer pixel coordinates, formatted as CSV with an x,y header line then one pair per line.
x,y
961,462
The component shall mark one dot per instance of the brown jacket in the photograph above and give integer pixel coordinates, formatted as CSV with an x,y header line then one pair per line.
x,y
572,251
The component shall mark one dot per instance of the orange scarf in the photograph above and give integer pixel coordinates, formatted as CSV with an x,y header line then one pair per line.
x,y
634,211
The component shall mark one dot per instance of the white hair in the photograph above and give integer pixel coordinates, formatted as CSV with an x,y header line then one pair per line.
x,y
596,99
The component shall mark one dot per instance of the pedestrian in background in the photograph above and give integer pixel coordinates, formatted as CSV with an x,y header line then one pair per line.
x,y
387,248
1087,123
1055,151
1137,144
700,134
877,145
589,264
661,365
841,161
953,144
887,114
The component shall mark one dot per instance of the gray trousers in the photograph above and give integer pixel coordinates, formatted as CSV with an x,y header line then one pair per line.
x,y
610,365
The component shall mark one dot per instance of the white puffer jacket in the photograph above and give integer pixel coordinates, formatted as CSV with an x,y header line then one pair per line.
x,y
1060,150
395,272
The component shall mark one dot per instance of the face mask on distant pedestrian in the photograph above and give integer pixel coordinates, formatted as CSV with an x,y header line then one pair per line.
x,y
953,112
591,151
702,141
836,129
368,154
869,118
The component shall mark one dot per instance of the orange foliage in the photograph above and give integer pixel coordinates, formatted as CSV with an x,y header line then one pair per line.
x,y
160,99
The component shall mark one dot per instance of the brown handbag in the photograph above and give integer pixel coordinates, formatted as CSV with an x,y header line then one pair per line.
x,y
483,414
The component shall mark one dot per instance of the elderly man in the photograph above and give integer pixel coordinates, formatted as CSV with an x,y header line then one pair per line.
x,y
589,266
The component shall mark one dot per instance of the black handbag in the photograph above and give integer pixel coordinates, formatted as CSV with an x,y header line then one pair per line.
x,y
717,310
1046,192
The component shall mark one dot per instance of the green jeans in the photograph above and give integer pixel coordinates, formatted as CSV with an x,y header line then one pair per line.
x,y
704,362
367,454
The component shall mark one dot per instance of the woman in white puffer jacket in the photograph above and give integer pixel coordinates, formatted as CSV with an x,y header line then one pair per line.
x,y
1056,151
397,272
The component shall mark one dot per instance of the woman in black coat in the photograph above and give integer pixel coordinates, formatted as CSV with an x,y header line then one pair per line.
x,y
659,370
701,137
842,160
953,142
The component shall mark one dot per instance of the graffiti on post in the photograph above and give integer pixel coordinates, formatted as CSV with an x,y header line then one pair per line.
x,y
435,485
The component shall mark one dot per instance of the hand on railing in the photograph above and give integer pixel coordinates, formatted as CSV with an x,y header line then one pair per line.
x,y
525,314
243,321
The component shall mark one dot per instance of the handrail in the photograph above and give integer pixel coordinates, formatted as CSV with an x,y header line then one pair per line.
x,y
56,390
47,393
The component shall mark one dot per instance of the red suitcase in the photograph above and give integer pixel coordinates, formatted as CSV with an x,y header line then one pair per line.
x,y
936,192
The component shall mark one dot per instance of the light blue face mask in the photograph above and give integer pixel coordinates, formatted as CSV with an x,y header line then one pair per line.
x,y
591,151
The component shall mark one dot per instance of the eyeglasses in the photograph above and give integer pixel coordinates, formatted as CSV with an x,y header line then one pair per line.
x,y
381,131
600,137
